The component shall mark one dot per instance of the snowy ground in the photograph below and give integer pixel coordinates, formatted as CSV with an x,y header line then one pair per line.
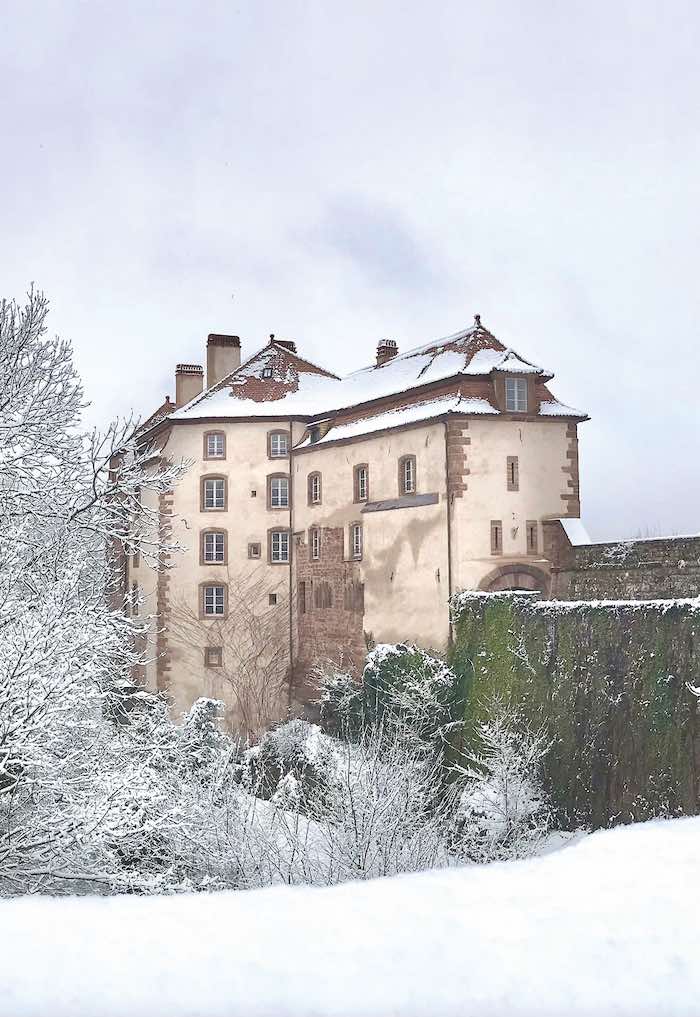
x,y
608,925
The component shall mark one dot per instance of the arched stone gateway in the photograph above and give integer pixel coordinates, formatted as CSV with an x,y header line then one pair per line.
x,y
516,577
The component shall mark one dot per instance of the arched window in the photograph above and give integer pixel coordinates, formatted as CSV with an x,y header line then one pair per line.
x,y
408,482
213,494
277,444
278,491
213,547
313,487
214,445
213,600
360,483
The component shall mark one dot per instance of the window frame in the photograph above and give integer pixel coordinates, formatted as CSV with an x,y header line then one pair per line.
x,y
251,555
403,462
312,478
512,473
314,543
282,530
271,478
497,536
519,385
534,546
213,649
278,432
205,451
203,507
203,613
203,534
356,527
356,493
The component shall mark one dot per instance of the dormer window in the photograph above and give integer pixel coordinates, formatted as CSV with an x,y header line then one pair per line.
x,y
267,372
516,395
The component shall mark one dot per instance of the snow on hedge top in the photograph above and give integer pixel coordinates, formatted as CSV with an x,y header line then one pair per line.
x,y
608,926
275,382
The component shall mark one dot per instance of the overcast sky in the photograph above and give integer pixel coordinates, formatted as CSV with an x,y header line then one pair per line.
x,y
341,172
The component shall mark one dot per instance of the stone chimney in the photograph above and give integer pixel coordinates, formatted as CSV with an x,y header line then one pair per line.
x,y
386,351
189,379
223,356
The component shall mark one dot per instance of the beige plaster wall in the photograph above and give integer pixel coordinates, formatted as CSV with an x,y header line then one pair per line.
x,y
541,448
404,564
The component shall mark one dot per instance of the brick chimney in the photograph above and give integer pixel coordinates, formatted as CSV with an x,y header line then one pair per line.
x,y
386,351
189,379
223,356
288,344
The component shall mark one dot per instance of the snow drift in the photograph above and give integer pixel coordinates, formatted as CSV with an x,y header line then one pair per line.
x,y
607,926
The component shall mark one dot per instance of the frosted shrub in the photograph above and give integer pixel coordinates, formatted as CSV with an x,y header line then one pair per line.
x,y
502,812
296,749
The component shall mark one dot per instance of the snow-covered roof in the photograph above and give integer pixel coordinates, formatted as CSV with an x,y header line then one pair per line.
x,y
277,383
575,531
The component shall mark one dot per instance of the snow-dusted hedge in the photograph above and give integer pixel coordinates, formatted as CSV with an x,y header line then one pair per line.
x,y
610,683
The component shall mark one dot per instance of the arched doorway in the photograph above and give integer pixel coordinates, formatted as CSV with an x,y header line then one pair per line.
x,y
516,577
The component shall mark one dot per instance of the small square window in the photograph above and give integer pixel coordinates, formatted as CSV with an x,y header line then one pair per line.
x,y
267,372
272,599
253,550
213,656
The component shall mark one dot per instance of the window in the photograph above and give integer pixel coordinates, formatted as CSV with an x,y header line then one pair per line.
x,y
301,598
213,656
254,550
512,473
279,546
213,494
278,444
496,536
361,482
272,599
213,601
516,395
214,445
407,475
278,492
213,548
314,488
531,529
315,543
267,372
356,540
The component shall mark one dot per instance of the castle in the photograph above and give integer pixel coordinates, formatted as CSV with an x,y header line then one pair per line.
x,y
321,513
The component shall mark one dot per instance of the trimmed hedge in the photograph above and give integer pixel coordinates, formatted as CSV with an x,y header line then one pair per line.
x,y
609,681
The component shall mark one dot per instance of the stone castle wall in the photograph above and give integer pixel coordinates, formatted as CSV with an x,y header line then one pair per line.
x,y
622,570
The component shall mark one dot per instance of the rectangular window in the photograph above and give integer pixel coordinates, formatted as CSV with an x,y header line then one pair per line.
x,y
253,550
512,473
272,599
516,395
315,489
213,656
301,598
279,546
215,446
215,493
214,547
315,543
356,539
361,483
531,528
496,536
279,444
407,475
214,600
279,492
